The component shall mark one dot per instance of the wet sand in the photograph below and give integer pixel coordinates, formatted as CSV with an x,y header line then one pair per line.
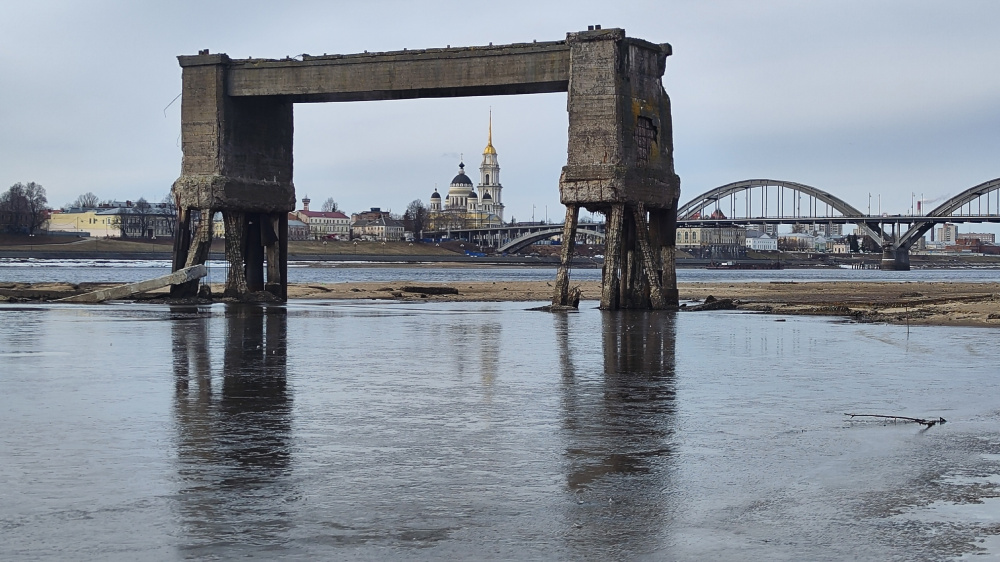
x,y
926,303
916,303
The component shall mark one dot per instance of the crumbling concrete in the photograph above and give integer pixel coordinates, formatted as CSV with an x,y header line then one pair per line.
x,y
237,130
620,163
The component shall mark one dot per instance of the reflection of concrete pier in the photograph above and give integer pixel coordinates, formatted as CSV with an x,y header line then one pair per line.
x,y
618,423
233,443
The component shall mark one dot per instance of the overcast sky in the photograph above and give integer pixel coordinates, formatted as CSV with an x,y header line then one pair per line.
x,y
853,97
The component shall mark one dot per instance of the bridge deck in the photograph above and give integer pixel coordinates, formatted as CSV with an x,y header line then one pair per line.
x,y
522,68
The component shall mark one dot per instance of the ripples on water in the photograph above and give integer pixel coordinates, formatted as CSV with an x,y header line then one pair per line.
x,y
125,271
331,430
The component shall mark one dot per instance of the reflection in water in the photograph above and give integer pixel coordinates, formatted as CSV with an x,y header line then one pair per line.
x,y
619,427
233,446
472,345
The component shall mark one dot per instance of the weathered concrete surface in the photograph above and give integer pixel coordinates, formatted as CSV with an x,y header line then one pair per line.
x,y
123,291
524,68
620,130
237,152
620,163
237,129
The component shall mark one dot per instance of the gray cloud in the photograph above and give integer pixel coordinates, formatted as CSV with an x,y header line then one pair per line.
x,y
855,97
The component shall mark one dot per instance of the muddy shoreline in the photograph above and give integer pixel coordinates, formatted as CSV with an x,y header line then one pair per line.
x,y
913,303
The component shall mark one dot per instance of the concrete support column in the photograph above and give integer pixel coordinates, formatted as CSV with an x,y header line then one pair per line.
x,y
191,248
253,253
612,258
649,259
276,248
897,259
561,296
621,158
236,240
237,159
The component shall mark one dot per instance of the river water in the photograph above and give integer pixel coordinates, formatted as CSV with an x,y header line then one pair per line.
x,y
385,430
130,271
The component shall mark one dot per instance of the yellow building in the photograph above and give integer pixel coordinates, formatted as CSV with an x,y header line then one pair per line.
x,y
85,223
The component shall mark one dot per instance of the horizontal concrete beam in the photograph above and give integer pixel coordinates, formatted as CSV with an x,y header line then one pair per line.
x,y
234,194
523,68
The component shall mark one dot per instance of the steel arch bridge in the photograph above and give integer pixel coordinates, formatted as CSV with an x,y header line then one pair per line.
x,y
778,202
514,238
772,202
957,203
525,240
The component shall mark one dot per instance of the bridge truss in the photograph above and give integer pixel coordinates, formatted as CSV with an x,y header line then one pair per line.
x,y
764,202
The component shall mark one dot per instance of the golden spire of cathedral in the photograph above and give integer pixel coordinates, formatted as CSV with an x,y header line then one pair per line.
x,y
489,143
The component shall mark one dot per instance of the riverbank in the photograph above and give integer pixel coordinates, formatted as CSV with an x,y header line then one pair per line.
x,y
452,253
914,303
919,303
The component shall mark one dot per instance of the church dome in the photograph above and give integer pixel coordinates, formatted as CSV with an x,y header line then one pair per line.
x,y
487,196
435,195
473,195
461,179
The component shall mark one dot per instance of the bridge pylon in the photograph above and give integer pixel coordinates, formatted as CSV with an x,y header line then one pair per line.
x,y
895,259
620,163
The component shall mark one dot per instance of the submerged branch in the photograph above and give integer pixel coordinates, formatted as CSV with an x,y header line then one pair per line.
x,y
927,422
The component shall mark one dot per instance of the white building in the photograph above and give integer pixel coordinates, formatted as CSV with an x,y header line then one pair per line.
x,y
321,224
760,242
705,236
381,229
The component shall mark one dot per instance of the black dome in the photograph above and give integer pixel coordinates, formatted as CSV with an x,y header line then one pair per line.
x,y
487,196
461,179
435,195
473,195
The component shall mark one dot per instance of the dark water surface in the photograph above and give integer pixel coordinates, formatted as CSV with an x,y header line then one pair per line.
x,y
341,430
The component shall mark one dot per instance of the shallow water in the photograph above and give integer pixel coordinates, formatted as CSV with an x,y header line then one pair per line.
x,y
331,430
130,271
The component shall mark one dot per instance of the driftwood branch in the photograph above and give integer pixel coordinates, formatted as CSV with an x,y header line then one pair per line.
x,y
927,422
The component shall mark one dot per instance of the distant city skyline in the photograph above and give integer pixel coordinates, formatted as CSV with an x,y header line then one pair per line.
x,y
884,97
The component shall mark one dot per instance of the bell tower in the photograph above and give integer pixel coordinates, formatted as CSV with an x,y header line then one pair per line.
x,y
489,176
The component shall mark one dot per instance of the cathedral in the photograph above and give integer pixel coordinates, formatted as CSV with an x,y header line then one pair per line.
x,y
464,207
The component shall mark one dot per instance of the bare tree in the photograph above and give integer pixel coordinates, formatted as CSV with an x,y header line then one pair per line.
x,y
37,206
142,217
330,206
86,201
168,210
23,208
120,221
415,217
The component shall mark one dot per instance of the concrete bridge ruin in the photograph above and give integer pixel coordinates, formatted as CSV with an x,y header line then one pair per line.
x,y
237,128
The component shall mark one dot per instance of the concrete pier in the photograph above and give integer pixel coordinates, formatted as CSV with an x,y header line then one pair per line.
x,y
237,129
896,259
